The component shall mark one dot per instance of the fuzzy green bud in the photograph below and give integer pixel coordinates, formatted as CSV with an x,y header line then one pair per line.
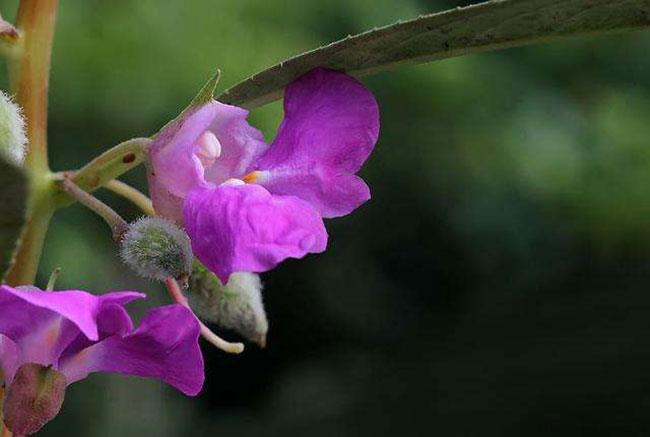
x,y
12,131
156,249
237,305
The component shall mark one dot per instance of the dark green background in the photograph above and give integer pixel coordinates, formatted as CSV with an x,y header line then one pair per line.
x,y
497,283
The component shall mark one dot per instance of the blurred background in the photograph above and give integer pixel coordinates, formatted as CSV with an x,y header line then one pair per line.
x,y
496,284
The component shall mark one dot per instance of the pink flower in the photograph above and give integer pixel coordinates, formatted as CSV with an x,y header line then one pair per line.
x,y
247,205
78,333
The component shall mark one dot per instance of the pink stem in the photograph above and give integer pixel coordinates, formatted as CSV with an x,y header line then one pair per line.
x,y
178,297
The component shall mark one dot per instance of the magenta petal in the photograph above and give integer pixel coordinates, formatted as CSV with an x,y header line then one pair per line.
x,y
174,164
330,127
112,319
243,228
241,144
165,346
10,359
175,169
31,308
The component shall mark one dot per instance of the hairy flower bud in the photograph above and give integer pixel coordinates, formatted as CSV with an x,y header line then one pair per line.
x,y
33,398
237,305
156,249
12,131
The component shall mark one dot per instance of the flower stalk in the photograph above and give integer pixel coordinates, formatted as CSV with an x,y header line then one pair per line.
x,y
131,194
117,224
226,346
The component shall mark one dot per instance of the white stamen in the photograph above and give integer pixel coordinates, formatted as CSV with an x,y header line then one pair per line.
x,y
208,148
234,182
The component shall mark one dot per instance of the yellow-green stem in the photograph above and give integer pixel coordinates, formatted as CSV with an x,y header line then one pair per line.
x,y
29,75
134,196
112,163
28,254
29,72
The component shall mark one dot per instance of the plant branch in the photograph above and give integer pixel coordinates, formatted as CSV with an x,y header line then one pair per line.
x,y
117,224
131,194
29,73
24,264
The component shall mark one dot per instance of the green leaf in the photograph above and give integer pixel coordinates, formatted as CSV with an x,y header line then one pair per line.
x,y
13,198
492,25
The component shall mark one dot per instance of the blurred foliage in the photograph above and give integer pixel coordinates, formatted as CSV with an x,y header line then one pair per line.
x,y
496,284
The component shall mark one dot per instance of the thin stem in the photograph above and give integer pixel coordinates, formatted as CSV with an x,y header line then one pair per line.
x,y
112,163
53,278
226,346
131,194
24,265
29,75
114,220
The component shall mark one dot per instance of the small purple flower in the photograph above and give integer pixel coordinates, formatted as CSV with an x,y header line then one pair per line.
x,y
247,205
77,333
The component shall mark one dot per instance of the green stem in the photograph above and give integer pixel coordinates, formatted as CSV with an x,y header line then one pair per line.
x,y
112,163
117,224
132,195
53,278
25,263
29,72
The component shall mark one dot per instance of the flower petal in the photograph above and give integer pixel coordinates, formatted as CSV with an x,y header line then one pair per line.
x,y
243,228
43,324
175,169
331,125
241,144
112,319
165,346
10,359
174,166
31,307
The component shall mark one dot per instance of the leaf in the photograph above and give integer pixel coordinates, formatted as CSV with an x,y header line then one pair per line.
x,y
13,195
492,25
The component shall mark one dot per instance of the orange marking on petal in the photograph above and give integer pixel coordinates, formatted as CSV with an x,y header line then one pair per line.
x,y
250,177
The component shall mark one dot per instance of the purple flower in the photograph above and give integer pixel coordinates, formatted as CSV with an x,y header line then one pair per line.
x,y
77,333
247,205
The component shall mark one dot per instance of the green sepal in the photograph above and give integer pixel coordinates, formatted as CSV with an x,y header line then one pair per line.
x,y
206,93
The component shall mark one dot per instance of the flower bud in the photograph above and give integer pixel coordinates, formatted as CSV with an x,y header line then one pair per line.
x,y
8,32
157,249
237,305
12,131
33,398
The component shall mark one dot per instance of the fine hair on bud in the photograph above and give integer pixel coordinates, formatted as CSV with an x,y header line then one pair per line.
x,y
237,305
12,131
156,248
